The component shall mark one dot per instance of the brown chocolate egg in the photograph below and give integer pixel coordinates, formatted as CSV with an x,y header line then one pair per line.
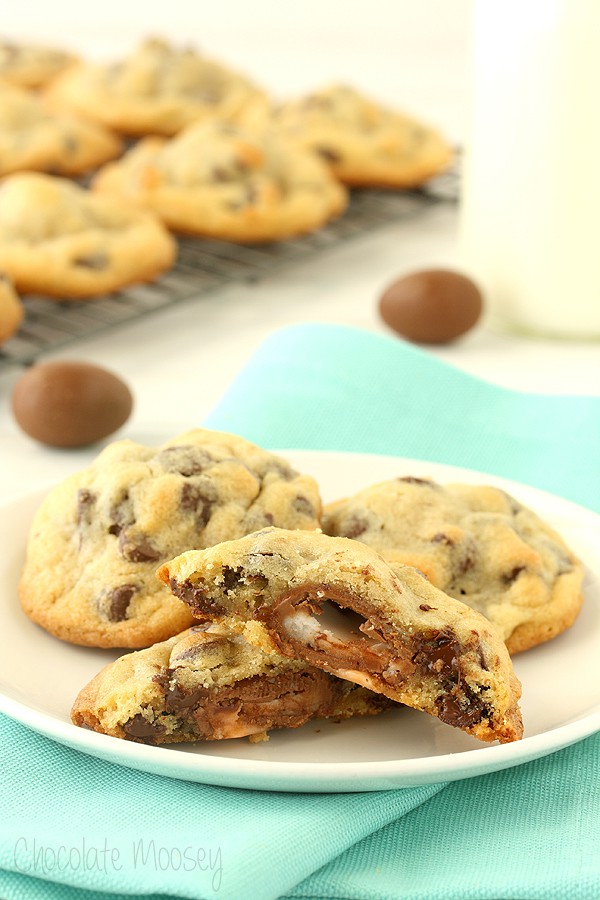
x,y
434,306
70,404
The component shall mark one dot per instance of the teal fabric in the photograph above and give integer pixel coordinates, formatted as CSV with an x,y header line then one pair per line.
x,y
529,832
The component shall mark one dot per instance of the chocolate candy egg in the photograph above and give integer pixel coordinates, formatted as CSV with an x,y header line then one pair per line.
x,y
431,307
70,404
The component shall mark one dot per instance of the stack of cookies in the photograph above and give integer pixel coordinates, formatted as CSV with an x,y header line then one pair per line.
x,y
210,155
250,607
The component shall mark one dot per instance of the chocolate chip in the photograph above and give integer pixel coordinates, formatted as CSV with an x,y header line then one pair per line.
x,y
179,699
95,261
119,600
466,563
252,195
510,577
515,506
195,651
219,174
280,468
70,143
135,547
469,557
332,156
85,502
256,520
425,607
461,711
232,578
355,526
438,653
441,538
140,727
303,506
565,564
241,165
199,499
412,479
121,514
185,460
196,597
482,660
457,705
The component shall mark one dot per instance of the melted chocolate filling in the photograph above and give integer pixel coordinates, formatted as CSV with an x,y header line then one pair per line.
x,y
258,703
369,645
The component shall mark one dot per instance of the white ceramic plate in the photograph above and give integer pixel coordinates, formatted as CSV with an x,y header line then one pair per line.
x,y
40,676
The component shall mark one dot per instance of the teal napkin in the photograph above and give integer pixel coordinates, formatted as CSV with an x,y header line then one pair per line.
x,y
75,827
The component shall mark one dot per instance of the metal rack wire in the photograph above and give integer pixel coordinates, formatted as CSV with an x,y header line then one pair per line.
x,y
203,266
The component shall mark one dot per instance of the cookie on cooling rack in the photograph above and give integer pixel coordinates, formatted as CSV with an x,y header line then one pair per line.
x,y
209,685
220,180
365,143
339,606
33,137
31,65
60,240
11,309
158,89
98,538
474,542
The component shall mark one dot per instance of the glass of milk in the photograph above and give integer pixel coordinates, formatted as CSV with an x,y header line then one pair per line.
x,y
530,211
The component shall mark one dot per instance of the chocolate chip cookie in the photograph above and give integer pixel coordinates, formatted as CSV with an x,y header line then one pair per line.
x,y
59,240
336,604
11,309
477,544
34,138
220,180
365,143
31,65
158,89
98,538
210,685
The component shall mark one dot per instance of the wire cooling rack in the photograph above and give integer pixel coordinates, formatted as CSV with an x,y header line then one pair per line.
x,y
203,266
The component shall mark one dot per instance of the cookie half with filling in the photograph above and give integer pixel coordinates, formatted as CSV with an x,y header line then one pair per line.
x,y
209,685
337,605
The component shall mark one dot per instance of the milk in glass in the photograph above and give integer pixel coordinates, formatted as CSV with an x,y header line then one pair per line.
x,y
530,214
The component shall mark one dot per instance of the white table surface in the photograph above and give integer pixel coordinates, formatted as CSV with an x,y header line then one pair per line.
x,y
179,362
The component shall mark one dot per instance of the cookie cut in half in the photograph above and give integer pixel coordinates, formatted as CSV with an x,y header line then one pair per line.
x,y
59,240
98,538
474,542
209,685
219,180
35,138
338,605
365,143
158,89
